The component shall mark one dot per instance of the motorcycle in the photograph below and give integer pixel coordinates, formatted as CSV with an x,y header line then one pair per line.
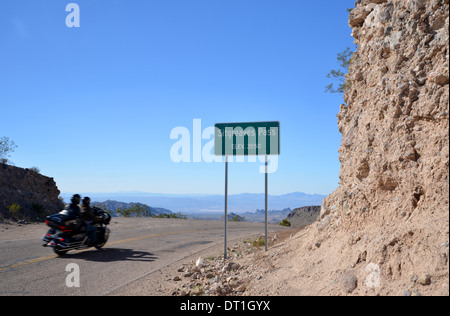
x,y
67,232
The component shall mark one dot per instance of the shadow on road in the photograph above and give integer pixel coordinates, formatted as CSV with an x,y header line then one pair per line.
x,y
112,255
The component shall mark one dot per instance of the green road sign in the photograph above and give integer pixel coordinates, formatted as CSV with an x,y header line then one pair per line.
x,y
247,139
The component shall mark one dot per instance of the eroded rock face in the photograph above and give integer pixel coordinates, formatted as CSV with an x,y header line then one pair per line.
x,y
395,145
35,194
395,124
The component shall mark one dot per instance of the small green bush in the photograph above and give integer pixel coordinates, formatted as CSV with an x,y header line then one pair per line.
x,y
261,241
173,215
14,210
285,223
237,218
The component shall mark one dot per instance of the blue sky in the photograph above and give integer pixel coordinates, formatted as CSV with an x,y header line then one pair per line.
x,y
94,106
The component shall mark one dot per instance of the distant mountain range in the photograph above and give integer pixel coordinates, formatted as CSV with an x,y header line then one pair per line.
x,y
191,203
113,206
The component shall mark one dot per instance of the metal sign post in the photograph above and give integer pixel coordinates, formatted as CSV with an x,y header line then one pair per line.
x,y
267,198
247,139
226,207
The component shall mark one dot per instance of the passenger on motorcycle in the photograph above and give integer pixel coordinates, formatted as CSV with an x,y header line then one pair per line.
x,y
89,219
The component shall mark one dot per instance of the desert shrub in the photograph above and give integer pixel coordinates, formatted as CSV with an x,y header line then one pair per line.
x,y
285,223
261,241
6,146
14,210
35,169
237,218
344,60
173,215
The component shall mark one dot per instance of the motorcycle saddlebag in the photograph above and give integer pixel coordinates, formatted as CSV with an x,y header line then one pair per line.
x,y
64,220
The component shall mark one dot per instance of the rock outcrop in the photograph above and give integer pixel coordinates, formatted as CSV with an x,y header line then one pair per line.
x,y
303,216
394,178
33,194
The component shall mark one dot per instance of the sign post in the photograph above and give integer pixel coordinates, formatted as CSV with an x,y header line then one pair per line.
x,y
267,199
247,139
226,207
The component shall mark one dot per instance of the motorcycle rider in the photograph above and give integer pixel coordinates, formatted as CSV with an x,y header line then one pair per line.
x,y
89,219
73,206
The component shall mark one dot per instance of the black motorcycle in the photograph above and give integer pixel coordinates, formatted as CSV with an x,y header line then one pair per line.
x,y
67,231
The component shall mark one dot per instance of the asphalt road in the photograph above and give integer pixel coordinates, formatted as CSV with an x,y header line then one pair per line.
x,y
136,249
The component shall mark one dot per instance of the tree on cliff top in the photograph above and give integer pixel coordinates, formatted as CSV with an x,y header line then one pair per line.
x,y
344,61
6,147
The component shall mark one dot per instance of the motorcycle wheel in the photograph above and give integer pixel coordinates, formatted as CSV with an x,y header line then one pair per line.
x,y
101,244
59,251
98,246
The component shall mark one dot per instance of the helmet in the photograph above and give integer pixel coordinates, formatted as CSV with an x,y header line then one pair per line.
x,y
76,198
86,200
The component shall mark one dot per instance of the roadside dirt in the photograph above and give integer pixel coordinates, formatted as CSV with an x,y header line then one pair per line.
x,y
170,280
20,231
307,263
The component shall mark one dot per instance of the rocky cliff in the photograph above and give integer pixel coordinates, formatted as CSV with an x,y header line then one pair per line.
x,y
394,179
33,195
